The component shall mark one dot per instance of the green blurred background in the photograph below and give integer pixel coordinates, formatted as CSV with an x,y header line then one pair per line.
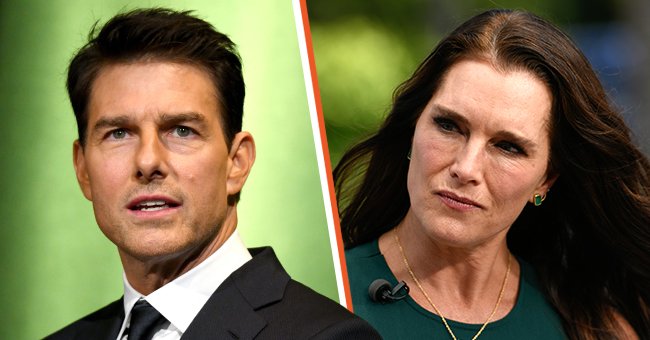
x,y
364,49
56,265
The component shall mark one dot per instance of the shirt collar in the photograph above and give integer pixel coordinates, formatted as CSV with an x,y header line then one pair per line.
x,y
180,300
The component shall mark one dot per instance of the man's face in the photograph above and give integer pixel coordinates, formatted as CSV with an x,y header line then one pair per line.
x,y
155,164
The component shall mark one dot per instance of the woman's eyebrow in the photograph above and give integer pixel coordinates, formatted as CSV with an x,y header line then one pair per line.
x,y
449,113
521,140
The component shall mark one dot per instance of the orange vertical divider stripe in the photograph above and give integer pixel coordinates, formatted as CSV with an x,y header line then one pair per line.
x,y
326,155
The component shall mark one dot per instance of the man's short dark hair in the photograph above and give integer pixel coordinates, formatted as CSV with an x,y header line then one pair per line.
x,y
159,35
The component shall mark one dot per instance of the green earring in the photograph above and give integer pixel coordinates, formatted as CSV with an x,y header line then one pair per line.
x,y
538,199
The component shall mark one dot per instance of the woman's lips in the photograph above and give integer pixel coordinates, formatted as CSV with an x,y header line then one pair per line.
x,y
457,202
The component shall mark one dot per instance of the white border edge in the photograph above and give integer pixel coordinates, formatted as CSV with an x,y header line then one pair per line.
x,y
313,114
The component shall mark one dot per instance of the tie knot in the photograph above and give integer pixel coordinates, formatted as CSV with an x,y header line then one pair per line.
x,y
144,321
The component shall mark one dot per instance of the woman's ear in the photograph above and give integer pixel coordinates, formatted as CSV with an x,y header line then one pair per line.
x,y
544,187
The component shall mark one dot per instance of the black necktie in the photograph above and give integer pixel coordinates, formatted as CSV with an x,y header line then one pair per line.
x,y
144,321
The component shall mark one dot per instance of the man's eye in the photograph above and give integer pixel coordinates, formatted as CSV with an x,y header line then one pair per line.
x,y
182,131
118,134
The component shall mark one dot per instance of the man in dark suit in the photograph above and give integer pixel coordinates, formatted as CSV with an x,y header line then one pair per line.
x,y
158,97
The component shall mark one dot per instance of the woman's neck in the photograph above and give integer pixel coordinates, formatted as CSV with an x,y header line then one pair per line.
x,y
463,282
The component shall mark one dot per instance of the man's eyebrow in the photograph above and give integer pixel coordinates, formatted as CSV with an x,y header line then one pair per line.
x,y
165,118
181,117
109,122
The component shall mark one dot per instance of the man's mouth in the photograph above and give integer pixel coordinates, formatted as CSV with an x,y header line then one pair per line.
x,y
152,206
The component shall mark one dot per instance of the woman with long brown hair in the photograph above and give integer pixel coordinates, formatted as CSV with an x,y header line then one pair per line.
x,y
504,189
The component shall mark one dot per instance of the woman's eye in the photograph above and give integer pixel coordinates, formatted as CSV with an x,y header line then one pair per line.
x,y
446,124
182,131
510,148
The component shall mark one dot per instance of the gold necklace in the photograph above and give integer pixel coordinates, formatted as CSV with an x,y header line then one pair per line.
x,y
417,282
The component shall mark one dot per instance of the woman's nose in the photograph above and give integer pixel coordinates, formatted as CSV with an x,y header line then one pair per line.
x,y
467,166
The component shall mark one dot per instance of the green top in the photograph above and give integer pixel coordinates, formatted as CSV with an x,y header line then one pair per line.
x,y
531,318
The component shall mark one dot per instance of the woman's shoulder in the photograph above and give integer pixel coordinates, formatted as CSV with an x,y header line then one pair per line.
x,y
365,263
365,250
533,312
530,287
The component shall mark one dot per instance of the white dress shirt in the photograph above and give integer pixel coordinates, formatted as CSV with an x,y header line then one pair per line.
x,y
179,301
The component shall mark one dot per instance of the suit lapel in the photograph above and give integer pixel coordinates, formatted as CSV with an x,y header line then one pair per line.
x,y
103,324
231,310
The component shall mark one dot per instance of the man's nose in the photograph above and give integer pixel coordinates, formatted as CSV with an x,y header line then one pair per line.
x,y
151,157
468,164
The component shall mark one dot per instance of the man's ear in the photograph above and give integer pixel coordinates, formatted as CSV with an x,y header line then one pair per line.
x,y
79,161
242,157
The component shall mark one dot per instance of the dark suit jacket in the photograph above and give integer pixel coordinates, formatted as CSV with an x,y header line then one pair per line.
x,y
257,301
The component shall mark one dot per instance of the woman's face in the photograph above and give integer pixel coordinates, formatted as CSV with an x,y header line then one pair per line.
x,y
479,154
